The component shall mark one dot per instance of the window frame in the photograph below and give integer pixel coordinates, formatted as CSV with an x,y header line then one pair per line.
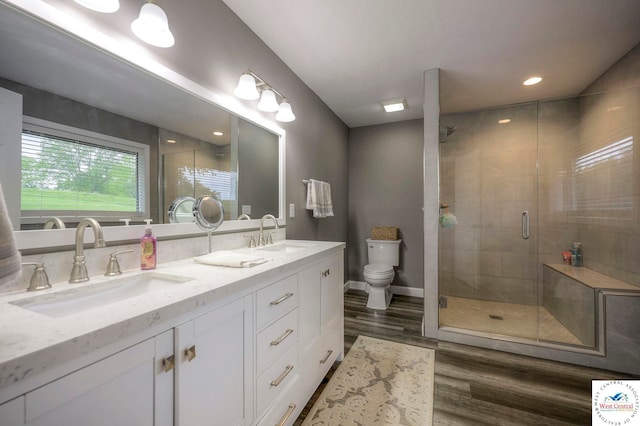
x,y
31,217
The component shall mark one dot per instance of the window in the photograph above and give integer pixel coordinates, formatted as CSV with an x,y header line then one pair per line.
x,y
72,173
603,184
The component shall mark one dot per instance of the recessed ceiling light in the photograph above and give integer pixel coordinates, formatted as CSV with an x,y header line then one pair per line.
x,y
504,121
216,133
532,80
171,141
394,105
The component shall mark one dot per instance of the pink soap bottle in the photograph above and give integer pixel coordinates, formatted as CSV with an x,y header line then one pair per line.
x,y
148,245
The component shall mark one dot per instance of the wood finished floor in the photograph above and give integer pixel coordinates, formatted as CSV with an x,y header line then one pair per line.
x,y
475,386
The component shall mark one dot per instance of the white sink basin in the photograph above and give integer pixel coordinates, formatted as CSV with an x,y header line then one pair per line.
x,y
72,301
287,247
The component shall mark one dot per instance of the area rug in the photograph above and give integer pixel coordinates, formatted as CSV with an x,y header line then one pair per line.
x,y
378,383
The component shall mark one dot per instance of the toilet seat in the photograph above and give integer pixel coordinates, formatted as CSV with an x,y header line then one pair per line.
x,y
376,269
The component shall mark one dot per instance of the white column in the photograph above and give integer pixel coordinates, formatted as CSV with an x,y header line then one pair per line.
x,y
431,110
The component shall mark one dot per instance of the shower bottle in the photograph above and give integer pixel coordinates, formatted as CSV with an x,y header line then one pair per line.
x,y
576,254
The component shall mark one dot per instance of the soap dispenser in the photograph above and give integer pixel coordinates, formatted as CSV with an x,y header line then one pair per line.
x,y
148,245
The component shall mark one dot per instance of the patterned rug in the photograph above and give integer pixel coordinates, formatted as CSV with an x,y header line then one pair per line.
x,y
378,383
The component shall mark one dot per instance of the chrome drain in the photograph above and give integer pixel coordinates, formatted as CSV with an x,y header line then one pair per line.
x,y
496,317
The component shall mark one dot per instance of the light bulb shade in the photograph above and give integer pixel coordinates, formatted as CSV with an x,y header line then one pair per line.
x,y
152,26
285,113
247,88
103,6
268,101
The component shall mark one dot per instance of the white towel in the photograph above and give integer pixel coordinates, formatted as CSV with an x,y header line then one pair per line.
x,y
10,266
230,259
319,198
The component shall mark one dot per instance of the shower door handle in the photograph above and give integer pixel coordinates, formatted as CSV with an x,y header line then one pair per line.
x,y
525,225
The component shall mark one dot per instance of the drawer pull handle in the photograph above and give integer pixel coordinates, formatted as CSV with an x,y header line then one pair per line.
x,y
286,416
190,353
282,299
168,363
326,357
281,338
282,375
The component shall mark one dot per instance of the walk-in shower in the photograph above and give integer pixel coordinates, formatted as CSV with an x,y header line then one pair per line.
x,y
524,182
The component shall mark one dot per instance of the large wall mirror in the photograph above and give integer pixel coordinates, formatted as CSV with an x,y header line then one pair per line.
x,y
190,147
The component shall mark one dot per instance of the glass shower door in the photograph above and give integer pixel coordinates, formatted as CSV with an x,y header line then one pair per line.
x,y
488,262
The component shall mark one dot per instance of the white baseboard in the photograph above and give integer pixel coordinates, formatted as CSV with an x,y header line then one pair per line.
x,y
405,291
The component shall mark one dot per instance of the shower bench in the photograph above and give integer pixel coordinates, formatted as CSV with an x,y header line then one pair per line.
x,y
571,294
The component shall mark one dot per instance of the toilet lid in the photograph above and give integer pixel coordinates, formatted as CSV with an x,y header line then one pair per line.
x,y
376,268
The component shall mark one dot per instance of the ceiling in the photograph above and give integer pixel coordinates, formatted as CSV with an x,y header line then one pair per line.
x,y
354,54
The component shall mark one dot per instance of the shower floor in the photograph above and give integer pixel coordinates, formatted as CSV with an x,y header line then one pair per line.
x,y
509,319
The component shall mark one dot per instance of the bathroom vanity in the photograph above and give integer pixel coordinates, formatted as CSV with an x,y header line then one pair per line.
x,y
195,344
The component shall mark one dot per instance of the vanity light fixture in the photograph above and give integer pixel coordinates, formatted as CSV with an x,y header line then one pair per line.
x,y
394,105
152,26
532,80
102,6
252,87
268,102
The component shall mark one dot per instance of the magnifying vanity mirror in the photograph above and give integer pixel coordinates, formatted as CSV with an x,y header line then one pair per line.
x,y
181,210
209,214
77,97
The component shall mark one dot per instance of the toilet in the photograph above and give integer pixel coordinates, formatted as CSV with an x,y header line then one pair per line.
x,y
379,273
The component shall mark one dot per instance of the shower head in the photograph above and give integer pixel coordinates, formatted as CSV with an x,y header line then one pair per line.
x,y
446,131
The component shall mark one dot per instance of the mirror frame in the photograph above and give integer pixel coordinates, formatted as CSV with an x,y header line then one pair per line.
x,y
42,240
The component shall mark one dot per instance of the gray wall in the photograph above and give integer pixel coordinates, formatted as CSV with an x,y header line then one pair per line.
x,y
386,189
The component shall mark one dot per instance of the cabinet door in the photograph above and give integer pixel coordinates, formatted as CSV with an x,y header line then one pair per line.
x,y
214,380
12,412
118,390
332,293
309,309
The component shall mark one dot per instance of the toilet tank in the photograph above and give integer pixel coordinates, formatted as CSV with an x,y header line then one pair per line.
x,y
384,252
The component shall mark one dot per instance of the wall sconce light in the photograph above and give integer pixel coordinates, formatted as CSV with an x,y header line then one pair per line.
x,y
152,26
252,87
102,6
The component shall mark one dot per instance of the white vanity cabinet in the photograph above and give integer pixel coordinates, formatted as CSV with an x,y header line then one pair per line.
x,y
213,376
119,389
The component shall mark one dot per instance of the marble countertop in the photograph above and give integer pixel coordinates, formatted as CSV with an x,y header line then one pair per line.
x,y
32,343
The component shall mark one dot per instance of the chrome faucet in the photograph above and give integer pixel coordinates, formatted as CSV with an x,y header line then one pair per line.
x,y
53,222
261,240
79,271
244,216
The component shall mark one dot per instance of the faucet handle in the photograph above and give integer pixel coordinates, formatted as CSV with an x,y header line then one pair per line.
x,y
252,240
39,279
113,267
269,238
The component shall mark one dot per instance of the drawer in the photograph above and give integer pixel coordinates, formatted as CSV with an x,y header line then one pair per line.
x,y
287,407
320,361
276,299
276,377
274,340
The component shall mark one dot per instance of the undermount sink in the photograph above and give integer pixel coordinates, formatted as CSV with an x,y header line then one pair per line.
x,y
287,247
72,301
